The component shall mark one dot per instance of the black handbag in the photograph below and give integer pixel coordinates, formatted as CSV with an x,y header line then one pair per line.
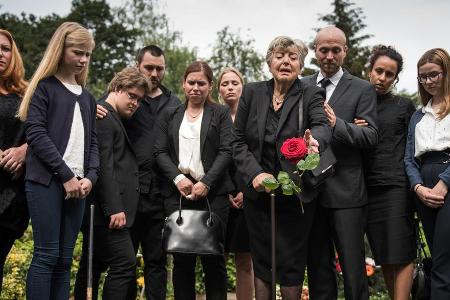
x,y
325,169
193,232
422,273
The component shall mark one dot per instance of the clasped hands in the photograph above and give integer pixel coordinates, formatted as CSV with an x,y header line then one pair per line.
x,y
13,159
313,147
192,191
434,197
77,188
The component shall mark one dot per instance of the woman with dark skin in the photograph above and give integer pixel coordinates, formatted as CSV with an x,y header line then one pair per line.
x,y
13,209
390,226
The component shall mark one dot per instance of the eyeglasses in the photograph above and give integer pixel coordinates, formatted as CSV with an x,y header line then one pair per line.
x,y
433,77
132,96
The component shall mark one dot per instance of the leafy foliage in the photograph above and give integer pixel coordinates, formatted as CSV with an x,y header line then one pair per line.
x,y
231,50
349,19
153,28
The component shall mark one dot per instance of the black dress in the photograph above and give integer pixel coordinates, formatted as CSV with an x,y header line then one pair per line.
x,y
390,217
291,225
13,208
237,238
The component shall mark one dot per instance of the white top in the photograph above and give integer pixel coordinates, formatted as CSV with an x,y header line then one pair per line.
x,y
334,82
74,154
189,148
432,133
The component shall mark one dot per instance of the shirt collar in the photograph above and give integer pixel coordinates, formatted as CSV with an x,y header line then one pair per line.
x,y
334,79
428,108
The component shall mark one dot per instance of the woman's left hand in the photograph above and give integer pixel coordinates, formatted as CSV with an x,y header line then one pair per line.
x,y
86,187
311,142
13,158
440,189
199,190
238,201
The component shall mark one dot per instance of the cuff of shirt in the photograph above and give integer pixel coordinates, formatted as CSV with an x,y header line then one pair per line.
x,y
178,178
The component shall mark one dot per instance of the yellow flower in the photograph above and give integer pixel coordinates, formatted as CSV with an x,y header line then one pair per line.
x,y
140,281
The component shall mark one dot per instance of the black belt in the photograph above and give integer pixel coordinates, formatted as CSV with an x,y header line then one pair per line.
x,y
436,157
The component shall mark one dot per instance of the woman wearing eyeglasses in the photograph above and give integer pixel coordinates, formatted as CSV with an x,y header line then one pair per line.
x,y
427,161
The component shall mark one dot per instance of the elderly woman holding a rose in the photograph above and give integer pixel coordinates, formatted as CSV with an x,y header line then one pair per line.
x,y
268,115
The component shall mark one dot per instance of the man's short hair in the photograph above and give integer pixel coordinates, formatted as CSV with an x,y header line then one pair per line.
x,y
152,49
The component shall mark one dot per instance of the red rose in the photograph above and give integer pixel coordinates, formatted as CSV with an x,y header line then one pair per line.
x,y
294,149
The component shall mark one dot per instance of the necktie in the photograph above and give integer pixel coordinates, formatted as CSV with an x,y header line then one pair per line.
x,y
325,82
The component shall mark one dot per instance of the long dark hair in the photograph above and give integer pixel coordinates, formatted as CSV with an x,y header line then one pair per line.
x,y
389,51
200,66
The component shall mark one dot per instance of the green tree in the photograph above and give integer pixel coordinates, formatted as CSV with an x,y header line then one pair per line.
x,y
230,49
115,44
351,20
153,27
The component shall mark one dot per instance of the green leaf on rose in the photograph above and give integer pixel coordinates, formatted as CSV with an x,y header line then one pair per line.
x,y
310,162
271,183
287,189
283,177
295,187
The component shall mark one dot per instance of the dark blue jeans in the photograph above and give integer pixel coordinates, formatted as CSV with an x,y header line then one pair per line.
x,y
56,223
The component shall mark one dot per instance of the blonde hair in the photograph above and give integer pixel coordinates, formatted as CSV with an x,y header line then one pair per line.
x,y
223,72
13,76
439,57
68,34
129,78
282,43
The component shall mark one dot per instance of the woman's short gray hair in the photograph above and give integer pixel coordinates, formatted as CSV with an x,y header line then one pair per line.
x,y
282,43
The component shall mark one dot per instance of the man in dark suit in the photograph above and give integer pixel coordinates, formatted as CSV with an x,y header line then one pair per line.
x,y
116,194
151,212
341,215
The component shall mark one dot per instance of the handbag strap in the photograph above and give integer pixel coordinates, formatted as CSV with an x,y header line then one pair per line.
x,y
209,222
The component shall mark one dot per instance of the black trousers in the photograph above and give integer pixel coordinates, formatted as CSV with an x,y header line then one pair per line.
x,y
344,227
436,226
6,242
213,265
113,251
146,231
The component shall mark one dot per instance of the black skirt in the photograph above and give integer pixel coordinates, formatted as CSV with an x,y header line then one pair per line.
x,y
292,234
237,239
390,226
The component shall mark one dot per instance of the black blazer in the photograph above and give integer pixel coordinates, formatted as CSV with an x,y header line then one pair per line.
x,y
250,125
117,188
352,98
215,147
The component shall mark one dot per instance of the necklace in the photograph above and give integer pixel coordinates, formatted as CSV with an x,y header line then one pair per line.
x,y
194,116
278,101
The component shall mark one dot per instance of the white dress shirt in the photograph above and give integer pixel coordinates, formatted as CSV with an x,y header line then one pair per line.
x,y
334,82
74,153
189,155
432,133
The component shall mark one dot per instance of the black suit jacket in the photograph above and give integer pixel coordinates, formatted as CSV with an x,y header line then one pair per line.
x,y
215,147
117,188
352,98
250,126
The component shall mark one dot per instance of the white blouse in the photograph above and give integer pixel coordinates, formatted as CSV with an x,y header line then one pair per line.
x,y
432,133
74,154
189,154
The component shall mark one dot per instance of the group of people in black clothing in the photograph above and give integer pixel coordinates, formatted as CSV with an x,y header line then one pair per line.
x,y
138,149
